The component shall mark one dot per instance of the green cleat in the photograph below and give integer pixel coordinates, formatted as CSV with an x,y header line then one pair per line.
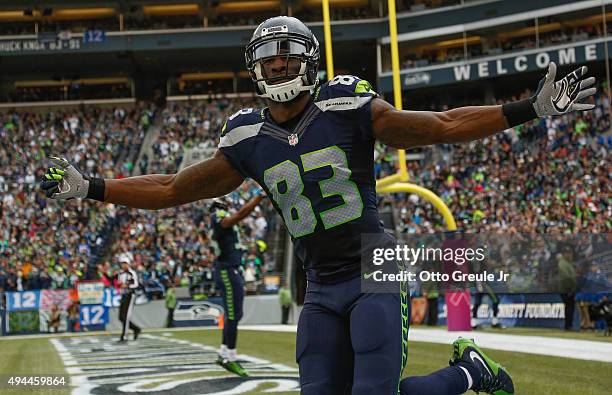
x,y
232,366
494,379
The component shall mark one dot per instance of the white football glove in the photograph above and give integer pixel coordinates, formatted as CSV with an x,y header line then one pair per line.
x,y
64,181
563,96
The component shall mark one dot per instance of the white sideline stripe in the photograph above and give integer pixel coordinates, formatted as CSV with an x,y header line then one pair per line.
x,y
271,328
540,345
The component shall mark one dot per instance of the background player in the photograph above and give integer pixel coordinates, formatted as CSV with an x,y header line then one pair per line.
x,y
229,251
311,149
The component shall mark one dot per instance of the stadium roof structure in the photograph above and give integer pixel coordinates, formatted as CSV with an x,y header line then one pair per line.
x,y
13,4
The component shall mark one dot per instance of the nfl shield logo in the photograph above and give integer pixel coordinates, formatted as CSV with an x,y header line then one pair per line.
x,y
293,139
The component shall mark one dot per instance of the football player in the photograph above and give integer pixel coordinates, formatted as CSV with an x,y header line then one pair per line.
x,y
229,251
311,150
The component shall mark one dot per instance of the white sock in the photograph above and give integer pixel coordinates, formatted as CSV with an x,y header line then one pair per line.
x,y
231,354
223,351
469,377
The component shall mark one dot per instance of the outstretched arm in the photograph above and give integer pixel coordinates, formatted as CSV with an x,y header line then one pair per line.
x,y
233,219
207,179
407,129
210,178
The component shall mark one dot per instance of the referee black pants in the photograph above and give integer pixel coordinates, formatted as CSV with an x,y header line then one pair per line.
x,y
125,314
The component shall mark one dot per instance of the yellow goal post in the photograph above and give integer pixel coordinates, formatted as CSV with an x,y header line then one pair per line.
x,y
396,182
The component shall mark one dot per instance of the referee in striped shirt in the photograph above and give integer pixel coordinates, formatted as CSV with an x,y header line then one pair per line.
x,y
128,283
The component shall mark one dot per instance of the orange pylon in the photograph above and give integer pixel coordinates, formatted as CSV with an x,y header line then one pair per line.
x,y
221,322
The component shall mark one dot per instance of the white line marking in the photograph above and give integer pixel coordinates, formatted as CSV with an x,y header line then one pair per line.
x,y
146,359
550,346
541,345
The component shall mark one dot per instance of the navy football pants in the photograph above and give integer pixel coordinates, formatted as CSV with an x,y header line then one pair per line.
x,y
354,343
230,282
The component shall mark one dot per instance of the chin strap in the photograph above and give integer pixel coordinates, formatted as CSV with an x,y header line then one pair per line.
x,y
283,92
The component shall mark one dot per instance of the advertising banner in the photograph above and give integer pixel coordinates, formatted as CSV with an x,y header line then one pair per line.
x,y
62,298
91,292
22,322
23,301
112,298
54,305
94,316
198,312
520,310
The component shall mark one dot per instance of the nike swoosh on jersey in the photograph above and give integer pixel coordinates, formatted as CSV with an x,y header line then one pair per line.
x,y
367,276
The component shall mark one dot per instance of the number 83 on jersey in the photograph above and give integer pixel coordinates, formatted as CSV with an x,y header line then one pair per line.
x,y
286,184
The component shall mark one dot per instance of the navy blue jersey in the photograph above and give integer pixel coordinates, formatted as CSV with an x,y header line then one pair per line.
x,y
319,174
226,241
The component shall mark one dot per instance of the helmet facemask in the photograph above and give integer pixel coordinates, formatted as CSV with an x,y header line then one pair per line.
x,y
301,59
219,204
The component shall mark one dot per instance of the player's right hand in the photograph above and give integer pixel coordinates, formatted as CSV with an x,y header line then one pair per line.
x,y
64,181
565,95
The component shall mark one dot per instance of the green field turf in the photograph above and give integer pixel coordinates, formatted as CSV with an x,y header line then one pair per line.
x,y
533,374
29,357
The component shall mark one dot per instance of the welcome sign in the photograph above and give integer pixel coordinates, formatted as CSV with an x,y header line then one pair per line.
x,y
497,66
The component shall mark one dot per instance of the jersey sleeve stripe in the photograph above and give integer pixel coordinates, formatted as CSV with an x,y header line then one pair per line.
x,y
343,103
238,134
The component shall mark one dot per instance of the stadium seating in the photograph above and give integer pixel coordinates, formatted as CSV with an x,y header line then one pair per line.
x,y
546,176
186,125
173,245
43,244
518,181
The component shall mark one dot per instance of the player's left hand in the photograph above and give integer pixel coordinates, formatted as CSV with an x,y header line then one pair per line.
x,y
563,96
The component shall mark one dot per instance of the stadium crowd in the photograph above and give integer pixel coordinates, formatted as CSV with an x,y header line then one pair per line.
x,y
549,175
174,245
190,124
546,176
47,244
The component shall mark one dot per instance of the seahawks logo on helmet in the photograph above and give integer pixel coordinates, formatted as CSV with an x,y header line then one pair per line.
x,y
288,37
